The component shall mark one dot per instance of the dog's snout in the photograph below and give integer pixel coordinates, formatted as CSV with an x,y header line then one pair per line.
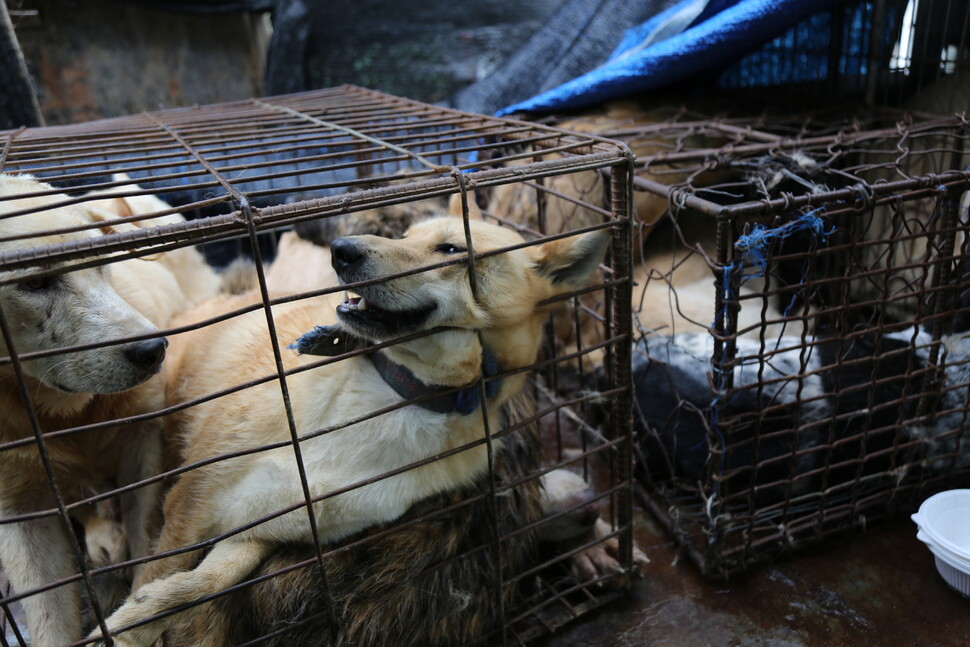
x,y
345,253
146,354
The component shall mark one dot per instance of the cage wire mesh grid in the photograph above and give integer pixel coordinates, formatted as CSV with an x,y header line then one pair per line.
x,y
332,162
800,366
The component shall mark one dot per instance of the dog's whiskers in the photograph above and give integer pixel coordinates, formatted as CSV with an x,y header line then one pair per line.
x,y
67,361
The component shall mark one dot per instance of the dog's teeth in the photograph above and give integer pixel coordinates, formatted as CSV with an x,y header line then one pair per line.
x,y
362,304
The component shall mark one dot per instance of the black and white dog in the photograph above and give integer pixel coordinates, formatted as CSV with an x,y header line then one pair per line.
x,y
805,414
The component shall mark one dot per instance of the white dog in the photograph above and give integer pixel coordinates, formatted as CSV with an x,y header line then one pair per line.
x,y
56,310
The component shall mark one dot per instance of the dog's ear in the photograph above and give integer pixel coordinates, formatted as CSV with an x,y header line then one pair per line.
x,y
569,263
93,214
121,207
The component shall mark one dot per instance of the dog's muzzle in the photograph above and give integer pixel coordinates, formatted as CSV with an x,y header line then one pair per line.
x,y
146,355
346,256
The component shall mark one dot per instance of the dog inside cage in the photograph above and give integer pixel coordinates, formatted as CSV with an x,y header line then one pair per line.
x,y
357,428
402,347
813,376
344,368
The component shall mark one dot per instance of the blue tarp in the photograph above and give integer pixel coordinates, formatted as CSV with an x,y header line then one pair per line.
x,y
690,37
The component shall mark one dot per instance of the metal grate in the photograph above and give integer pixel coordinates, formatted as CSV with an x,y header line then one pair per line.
x,y
243,173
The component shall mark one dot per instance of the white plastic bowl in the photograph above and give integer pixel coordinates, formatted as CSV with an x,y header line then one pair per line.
x,y
944,526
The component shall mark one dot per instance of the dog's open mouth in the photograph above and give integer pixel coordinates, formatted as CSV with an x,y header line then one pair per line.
x,y
368,317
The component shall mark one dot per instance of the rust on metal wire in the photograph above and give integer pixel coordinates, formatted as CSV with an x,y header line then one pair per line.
x,y
813,276
241,173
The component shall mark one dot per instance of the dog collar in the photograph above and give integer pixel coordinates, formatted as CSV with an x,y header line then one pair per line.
x,y
330,340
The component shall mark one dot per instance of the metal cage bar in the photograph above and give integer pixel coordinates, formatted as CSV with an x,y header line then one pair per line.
x,y
242,173
882,253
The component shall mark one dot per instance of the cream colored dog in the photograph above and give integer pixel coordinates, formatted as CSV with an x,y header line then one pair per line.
x,y
497,324
113,301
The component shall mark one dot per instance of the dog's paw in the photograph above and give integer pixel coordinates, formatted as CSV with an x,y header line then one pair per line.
x,y
602,560
569,505
105,540
573,510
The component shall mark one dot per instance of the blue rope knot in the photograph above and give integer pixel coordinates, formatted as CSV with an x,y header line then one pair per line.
x,y
752,251
753,247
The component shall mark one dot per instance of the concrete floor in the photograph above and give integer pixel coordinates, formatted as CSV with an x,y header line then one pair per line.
x,y
879,588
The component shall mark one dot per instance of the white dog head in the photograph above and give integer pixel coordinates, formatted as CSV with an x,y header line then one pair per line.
x,y
46,309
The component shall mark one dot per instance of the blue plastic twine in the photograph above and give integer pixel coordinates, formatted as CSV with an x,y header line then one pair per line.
x,y
753,247
752,252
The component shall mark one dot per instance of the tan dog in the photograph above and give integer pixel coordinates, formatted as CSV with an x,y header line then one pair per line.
x,y
499,320
113,301
674,293
303,266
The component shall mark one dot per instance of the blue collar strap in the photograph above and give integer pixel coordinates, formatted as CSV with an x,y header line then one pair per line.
x,y
330,341
464,401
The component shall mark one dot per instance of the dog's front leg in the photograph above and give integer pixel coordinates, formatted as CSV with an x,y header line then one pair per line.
x,y
227,564
35,553
141,458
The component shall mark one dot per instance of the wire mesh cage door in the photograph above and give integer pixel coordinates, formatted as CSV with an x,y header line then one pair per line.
x,y
460,564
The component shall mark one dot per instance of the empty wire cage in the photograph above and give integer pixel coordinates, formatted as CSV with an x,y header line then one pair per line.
x,y
473,563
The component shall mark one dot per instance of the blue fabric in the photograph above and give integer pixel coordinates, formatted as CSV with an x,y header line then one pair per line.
x,y
660,51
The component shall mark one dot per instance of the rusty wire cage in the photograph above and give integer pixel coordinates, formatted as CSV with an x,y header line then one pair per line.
x,y
799,306
242,173
800,367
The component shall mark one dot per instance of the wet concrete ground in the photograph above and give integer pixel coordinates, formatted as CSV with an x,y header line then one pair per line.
x,y
879,588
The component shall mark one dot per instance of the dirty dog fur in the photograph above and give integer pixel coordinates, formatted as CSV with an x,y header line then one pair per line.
x,y
78,307
499,316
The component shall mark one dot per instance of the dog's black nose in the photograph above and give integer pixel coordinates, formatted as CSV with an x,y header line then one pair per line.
x,y
344,253
146,354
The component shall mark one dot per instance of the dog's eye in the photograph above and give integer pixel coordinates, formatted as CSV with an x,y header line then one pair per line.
x,y
449,248
37,283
